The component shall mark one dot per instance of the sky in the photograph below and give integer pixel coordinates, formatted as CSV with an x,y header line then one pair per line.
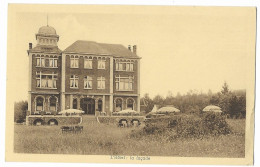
x,y
182,49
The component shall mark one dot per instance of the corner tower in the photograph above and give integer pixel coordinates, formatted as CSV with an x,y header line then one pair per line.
x,y
44,73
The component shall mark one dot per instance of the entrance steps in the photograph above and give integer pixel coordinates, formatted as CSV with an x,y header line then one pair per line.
x,y
89,119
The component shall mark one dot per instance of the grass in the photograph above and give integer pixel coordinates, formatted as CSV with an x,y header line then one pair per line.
x,y
103,139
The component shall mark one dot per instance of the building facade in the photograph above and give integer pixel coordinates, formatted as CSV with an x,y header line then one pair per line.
x,y
90,76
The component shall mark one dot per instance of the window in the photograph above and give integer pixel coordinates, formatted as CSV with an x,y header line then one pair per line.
x,y
119,103
101,64
101,83
53,62
75,104
124,83
53,102
130,104
99,105
46,80
74,80
39,104
124,66
88,63
74,62
40,61
87,82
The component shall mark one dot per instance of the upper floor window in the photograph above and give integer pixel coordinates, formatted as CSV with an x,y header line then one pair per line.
x,y
53,62
101,83
124,83
124,66
101,64
88,63
40,61
87,82
74,81
74,62
46,80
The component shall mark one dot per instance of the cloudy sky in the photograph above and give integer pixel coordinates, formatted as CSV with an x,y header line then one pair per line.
x,y
182,49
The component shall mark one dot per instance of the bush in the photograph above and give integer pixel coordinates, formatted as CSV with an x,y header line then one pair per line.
x,y
187,126
215,124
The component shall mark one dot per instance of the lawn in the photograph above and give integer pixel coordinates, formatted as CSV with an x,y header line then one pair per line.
x,y
103,139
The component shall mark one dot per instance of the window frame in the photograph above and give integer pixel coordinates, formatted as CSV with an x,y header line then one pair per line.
x,y
100,60
88,59
74,59
54,78
53,59
41,60
75,78
101,79
88,79
124,65
125,80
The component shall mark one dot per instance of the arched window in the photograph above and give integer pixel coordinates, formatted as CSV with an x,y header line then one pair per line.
x,y
75,104
99,105
39,104
53,103
119,104
130,104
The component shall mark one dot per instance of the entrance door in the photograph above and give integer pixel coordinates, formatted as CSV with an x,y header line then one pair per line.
x,y
88,105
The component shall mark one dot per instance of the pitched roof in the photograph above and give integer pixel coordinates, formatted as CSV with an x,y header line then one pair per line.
x,y
92,47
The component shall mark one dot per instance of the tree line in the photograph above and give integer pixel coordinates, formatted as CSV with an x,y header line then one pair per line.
x,y
232,103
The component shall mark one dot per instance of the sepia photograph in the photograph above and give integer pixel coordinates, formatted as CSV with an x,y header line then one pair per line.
x,y
130,84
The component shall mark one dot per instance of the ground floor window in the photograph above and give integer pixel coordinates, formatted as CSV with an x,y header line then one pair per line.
x,y
39,104
53,103
119,103
130,104
75,104
99,105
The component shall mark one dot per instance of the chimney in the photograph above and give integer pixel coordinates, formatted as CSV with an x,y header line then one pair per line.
x,y
30,45
129,47
134,49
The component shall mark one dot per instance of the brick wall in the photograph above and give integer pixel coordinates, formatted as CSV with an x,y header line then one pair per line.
x,y
81,73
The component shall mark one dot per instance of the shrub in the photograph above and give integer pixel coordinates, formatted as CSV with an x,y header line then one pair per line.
x,y
187,126
215,124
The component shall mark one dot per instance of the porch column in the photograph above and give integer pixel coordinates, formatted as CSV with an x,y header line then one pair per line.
x,y
78,103
103,103
71,101
111,105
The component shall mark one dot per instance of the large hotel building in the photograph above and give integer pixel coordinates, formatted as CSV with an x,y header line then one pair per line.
x,y
90,76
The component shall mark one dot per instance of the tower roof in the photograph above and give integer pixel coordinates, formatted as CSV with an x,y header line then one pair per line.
x,y
47,30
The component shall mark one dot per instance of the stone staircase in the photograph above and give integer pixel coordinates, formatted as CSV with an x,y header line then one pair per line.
x,y
88,119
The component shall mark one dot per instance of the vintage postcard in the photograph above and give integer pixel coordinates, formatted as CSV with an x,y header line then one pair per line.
x,y
130,84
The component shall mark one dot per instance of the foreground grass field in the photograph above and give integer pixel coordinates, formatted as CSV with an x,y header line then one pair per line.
x,y
102,139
